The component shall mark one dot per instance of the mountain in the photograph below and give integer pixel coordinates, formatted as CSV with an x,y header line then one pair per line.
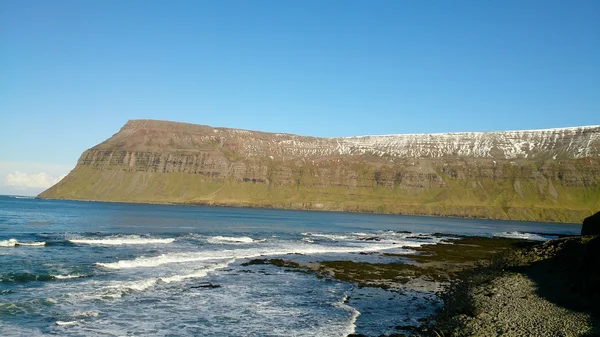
x,y
548,175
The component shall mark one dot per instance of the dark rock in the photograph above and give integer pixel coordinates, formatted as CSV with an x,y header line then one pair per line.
x,y
591,225
407,327
206,285
374,238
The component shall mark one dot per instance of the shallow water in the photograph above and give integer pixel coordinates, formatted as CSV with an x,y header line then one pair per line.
x,y
109,269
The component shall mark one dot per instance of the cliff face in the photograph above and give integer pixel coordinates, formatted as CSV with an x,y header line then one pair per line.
x,y
549,174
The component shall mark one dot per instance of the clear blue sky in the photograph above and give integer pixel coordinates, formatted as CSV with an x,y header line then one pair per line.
x,y
73,72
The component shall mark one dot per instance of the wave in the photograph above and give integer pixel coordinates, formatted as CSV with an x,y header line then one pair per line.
x,y
525,236
350,328
122,240
8,243
66,323
140,285
14,242
231,240
306,249
40,243
91,313
402,239
25,277
66,277
329,236
156,261
31,277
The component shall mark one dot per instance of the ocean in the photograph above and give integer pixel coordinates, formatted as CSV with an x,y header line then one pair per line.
x,y
71,268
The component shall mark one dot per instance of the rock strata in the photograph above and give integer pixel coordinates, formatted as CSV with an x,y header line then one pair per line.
x,y
551,175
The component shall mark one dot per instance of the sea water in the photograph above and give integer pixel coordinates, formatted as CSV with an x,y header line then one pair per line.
x,y
72,268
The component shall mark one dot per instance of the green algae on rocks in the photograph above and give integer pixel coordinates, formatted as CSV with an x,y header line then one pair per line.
x,y
434,263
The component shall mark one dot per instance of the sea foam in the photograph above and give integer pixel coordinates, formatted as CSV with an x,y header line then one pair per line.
x,y
31,244
14,243
524,236
122,240
306,249
230,240
141,285
354,313
66,323
66,277
8,243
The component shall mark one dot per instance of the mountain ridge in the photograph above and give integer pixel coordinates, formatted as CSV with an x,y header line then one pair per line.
x,y
547,174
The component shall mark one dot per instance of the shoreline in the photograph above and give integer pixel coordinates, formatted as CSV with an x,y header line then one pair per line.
x,y
546,289
249,206
423,275
488,286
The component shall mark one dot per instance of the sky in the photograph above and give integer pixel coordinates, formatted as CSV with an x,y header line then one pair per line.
x,y
73,72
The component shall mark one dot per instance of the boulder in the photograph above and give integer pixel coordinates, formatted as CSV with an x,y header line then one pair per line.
x,y
591,225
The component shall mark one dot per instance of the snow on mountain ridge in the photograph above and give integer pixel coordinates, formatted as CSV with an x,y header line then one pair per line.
x,y
576,142
570,128
160,136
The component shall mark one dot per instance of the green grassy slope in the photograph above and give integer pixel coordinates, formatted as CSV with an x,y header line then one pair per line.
x,y
482,197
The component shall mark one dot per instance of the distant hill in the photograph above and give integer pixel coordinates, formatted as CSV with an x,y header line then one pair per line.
x,y
543,175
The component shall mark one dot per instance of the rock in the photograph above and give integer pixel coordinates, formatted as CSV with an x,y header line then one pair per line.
x,y
370,239
591,225
206,285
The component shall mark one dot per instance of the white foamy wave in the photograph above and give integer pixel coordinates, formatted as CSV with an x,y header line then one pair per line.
x,y
14,243
41,243
329,236
350,328
91,313
66,322
8,243
66,277
156,261
122,240
306,249
228,239
402,239
134,285
524,236
141,285
197,274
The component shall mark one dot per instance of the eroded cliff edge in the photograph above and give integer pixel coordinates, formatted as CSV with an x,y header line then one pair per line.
x,y
549,175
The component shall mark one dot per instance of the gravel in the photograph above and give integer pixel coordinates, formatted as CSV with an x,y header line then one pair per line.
x,y
531,292
509,306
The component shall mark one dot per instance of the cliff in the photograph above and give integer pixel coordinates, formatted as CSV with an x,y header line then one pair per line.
x,y
551,174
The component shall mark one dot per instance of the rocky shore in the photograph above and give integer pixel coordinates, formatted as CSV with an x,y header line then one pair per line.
x,y
550,289
489,286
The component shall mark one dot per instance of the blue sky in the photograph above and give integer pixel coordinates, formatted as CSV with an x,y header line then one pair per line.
x,y
73,72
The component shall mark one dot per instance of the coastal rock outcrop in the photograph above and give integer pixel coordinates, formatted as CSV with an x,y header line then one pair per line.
x,y
551,175
591,225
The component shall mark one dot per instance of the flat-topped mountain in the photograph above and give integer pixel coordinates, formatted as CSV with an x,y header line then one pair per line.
x,y
150,135
551,174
